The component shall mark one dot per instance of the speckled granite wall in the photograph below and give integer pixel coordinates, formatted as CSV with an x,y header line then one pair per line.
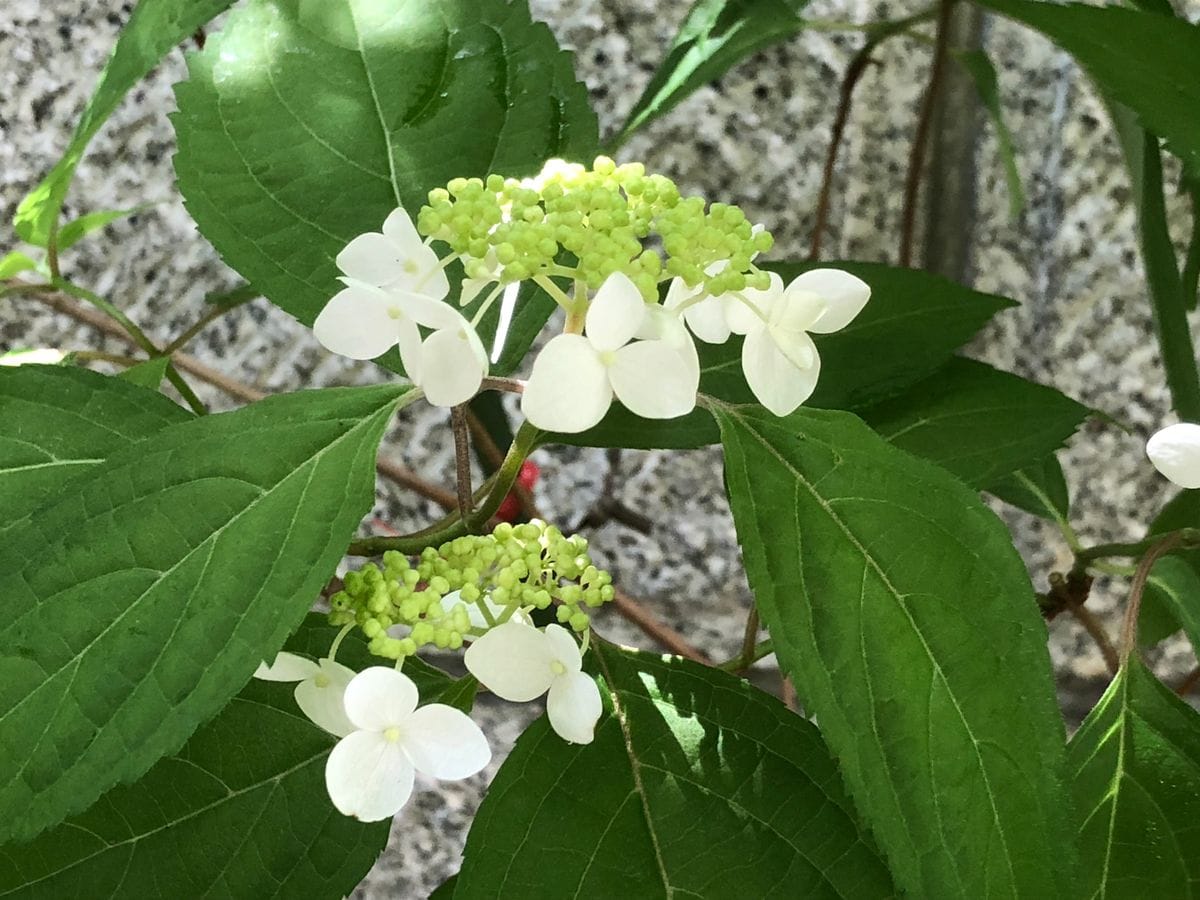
x,y
757,139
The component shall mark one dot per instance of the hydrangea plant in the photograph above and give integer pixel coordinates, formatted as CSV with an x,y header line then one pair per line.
x,y
220,676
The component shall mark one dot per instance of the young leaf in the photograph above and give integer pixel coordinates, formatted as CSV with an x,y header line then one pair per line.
x,y
148,374
1136,768
715,36
976,421
77,229
240,811
303,125
135,607
1153,68
154,28
911,327
60,423
983,73
15,263
1039,488
907,621
697,785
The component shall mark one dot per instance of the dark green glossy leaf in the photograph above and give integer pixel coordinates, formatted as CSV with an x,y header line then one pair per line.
x,y
1039,488
697,785
976,421
149,374
983,73
911,327
1136,767
137,605
445,890
1144,60
240,811
715,36
155,27
907,621
1171,601
303,124
60,423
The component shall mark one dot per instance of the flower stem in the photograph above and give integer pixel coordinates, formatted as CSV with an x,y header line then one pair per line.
x,y
337,641
462,459
1161,548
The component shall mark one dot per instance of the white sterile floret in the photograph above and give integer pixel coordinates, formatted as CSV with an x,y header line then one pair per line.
x,y
370,773
1175,452
575,376
364,321
319,693
779,358
705,316
519,663
397,259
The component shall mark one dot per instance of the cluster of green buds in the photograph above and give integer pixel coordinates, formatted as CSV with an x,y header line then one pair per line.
x,y
611,218
470,584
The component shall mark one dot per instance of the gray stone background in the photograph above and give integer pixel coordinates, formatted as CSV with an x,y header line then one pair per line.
x,y
757,138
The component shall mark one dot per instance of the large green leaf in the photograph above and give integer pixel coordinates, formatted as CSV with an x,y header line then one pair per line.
x,y
1147,61
911,327
240,811
697,785
976,421
135,607
59,423
715,36
304,124
1136,767
907,621
1039,488
152,30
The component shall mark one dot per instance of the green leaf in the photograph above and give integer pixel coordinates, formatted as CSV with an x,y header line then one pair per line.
x,y
907,621
304,124
715,36
910,328
976,421
60,423
1136,767
148,374
445,891
15,263
1039,488
136,606
153,29
240,811
77,229
1171,601
1147,61
1159,618
983,73
460,693
696,785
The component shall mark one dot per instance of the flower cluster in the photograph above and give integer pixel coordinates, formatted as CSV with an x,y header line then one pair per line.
x,y
602,242
454,593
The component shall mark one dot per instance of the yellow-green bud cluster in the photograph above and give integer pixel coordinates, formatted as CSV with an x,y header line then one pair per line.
x,y
608,219
515,567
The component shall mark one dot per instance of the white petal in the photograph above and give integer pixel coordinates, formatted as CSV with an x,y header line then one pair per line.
x,y
408,339
778,385
1175,452
424,309
443,742
798,309
371,258
568,389
678,292
654,380
453,363
615,314
368,776
379,698
287,667
399,228
563,648
321,697
740,313
358,322
844,294
470,288
797,346
708,321
512,661
574,707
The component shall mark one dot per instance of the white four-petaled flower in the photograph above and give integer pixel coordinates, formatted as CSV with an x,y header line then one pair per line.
x,y
575,376
1175,452
779,358
319,693
519,663
370,773
395,258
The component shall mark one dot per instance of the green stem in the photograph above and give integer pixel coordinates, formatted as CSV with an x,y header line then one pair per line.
x,y
139,337
745,660
1191,267
203,322
455,525
1166,288
1184,537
